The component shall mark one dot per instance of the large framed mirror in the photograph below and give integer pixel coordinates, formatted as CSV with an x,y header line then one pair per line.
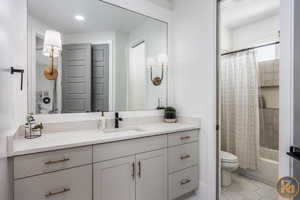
x,y
91,56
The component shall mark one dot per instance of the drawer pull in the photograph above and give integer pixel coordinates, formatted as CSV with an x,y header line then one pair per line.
x,y
51,162
185,157
185,181
185,137
50,194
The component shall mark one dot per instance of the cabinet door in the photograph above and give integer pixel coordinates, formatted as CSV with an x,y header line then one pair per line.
x,y
115,179
151,177
71,184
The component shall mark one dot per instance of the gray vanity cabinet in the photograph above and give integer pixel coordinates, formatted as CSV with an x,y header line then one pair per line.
x,y
115,179
140,177
162,167
70,184
151,177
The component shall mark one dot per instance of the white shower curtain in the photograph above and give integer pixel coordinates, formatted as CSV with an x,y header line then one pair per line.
x,y
239,107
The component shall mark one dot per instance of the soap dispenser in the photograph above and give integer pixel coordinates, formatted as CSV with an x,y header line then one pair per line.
x,y
102,123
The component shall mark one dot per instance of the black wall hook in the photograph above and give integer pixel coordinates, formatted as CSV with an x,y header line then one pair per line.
x,y
13,70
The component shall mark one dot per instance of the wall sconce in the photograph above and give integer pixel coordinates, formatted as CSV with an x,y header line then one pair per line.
x,y
162,60
52,48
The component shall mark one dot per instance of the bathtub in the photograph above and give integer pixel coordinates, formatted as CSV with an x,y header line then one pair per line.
x,y
267,171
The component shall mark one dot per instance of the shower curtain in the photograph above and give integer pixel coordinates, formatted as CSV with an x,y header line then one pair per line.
x,y
239,107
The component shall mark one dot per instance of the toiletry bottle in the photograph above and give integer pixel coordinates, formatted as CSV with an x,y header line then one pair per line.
x,y
102,121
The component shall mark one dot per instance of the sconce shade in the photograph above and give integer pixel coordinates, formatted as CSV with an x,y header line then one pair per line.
x,y
162,59
52,42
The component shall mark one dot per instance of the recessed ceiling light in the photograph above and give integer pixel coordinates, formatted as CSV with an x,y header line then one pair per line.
x,y
79,17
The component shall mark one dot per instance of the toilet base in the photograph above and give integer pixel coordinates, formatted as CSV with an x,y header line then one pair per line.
x,y
226,178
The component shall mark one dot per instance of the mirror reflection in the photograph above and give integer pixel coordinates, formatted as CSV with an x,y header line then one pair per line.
x,y
90,56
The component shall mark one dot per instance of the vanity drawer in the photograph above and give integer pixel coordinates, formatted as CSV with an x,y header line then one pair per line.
x,y
120,149
182,137
40,163
182,156
183,182
71,184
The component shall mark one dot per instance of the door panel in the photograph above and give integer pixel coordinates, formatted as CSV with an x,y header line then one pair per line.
x,y
151,178
114,179
100,77
76,78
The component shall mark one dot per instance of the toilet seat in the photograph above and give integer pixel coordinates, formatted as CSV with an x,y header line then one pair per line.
x,y
227,157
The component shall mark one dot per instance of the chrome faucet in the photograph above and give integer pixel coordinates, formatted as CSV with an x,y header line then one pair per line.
x,y
117,119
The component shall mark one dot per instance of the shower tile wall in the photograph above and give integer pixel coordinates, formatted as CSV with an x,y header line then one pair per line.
x,y
269,105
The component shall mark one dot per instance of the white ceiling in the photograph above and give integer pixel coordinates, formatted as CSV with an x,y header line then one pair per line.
x,y
99,16
235,13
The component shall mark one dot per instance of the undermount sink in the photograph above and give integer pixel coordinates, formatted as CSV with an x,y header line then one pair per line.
x,y
124,130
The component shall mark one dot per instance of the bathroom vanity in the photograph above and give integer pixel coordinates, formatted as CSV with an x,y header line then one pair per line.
x,y
150,162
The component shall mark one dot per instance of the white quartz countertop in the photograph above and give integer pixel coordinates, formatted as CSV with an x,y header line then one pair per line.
x,y
69,139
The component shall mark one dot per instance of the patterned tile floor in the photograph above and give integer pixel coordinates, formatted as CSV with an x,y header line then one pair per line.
x,y
243,188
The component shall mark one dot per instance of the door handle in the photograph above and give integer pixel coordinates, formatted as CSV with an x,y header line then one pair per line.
x,y
140,169
294,152
133,171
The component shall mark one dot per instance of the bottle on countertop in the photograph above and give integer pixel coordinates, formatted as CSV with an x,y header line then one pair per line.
x,y
102,122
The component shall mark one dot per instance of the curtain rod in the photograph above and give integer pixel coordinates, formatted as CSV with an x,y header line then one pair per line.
x,y
251,48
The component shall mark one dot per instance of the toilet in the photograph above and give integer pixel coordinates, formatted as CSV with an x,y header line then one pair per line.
x,y
229,164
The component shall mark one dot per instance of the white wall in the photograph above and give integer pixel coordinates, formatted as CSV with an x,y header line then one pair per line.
x,y
155,36
226,40
122,61
193,73
12,101
257,33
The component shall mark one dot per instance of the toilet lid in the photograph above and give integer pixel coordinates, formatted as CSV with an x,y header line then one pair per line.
x,y
228,157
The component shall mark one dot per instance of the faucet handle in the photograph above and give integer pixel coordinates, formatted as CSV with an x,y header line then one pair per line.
x,y
117,116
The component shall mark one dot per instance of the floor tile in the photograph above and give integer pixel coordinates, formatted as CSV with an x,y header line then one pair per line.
x,y
243,188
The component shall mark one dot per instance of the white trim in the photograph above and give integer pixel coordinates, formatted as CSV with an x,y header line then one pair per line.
x,y
286,86
31,93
